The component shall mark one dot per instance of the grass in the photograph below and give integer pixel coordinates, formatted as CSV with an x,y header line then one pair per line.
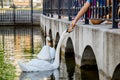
x,y
7,70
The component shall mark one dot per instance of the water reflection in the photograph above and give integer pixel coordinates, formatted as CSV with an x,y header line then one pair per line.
x,y
52,75
70,68
17,41
67,71
70,59
89,69
89,73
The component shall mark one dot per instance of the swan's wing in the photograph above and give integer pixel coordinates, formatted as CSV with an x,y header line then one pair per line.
x,y
26,67
36,65
44,54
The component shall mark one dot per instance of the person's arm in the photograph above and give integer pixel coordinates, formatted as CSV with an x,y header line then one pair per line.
x,y
80,14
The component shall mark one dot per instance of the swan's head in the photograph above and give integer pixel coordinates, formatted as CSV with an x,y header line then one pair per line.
x,y
48,40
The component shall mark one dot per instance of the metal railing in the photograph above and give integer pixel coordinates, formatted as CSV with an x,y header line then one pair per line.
x,y
11,13
108,10
15,16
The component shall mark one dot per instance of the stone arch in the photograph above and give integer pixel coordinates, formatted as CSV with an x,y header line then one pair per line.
x,y
88,57
50,35
89,69
70,58
57,39
116,74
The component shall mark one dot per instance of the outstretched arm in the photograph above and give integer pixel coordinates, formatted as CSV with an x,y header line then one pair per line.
x,y
80,14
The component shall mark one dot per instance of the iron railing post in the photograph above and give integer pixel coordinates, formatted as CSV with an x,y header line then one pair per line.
x,y
69,9
86,15
86,19
14,14
51,9
114,14
59,9
32,11
48,8
44,7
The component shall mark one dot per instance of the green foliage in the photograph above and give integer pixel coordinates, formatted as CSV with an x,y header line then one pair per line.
x,y
27,50
36,49
7,70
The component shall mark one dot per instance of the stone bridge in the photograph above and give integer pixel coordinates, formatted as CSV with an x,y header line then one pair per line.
x,y
88,45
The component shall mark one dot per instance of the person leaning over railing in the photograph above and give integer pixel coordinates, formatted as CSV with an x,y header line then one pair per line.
x,y
84,9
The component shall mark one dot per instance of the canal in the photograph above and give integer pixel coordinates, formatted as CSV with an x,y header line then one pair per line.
x,y
15,45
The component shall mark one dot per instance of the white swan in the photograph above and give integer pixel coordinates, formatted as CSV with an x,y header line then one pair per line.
x,y
42,65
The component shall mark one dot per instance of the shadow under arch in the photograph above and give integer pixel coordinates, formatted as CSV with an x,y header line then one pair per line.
x,y
89,69
45,34
50,35
56,43
70,58
57,39
116,74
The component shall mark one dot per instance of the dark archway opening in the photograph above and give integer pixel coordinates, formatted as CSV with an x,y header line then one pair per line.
x,y
89,69
116,74
70,59
50,35
45,34
56,43
57,39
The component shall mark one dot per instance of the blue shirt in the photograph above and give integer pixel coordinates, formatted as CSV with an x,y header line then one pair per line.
x,y
98,2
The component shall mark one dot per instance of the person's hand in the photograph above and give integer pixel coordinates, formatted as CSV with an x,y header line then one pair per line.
x,y
72,26
70,29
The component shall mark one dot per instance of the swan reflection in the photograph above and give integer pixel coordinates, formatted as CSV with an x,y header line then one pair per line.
x,y
41,75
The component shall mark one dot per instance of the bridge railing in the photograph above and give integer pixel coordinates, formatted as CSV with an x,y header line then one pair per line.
x,y
108,10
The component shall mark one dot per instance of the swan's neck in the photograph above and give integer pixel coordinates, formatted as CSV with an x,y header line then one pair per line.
x,y
57,54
